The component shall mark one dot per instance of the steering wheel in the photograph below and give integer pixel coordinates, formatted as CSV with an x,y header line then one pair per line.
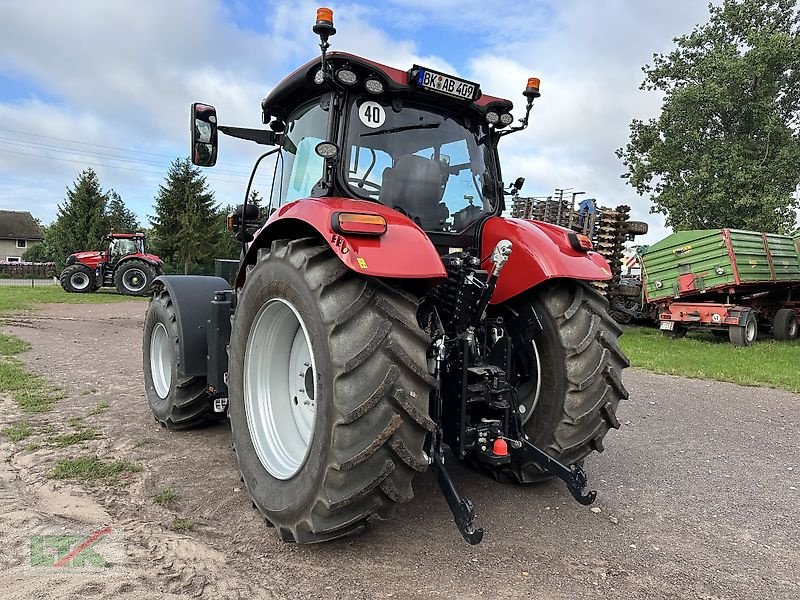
x,y
364,184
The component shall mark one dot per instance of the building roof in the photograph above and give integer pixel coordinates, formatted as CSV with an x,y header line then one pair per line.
x,y
19,224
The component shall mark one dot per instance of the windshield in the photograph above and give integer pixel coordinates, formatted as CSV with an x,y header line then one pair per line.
x,y
123,246
427,165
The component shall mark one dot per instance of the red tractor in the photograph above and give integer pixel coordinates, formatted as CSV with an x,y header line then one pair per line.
x,y
125,265
386,313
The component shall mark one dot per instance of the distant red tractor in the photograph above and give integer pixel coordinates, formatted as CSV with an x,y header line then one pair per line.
x,y
125,265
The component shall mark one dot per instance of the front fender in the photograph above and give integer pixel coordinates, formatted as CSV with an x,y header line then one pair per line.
x,y
540,252
404,251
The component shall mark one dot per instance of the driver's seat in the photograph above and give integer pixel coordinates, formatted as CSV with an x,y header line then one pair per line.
x,y
414,185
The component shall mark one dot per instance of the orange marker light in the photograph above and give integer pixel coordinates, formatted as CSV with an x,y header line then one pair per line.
x,y
500,447
359,223
324,15
534,82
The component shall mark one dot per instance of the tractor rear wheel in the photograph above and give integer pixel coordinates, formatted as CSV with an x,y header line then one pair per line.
x,y
177,402
569,376
134,277
784,326
78,279
328,388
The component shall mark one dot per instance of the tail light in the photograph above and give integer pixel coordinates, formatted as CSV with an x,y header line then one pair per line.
x,y
358,223
580,242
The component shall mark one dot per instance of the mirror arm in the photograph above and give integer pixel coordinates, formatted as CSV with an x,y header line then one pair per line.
x,y
523,122
259,136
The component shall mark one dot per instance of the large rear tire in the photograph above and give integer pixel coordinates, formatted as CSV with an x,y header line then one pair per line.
x,y
78,279
321,474
134,278
569,376
177,401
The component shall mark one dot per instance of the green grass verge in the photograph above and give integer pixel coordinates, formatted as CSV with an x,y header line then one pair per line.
x,y
22,298
17,432
92,468
702,356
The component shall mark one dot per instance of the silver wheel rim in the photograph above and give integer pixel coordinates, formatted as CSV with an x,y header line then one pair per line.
x,y
529,410
280,382
792,328
134,280
750,331
80,281
160,360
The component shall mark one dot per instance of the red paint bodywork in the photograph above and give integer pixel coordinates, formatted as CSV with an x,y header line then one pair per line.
x,y
404,251
541,251
93,258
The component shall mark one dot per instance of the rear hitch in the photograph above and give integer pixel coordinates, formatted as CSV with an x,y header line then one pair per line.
x,y
461,507
575,477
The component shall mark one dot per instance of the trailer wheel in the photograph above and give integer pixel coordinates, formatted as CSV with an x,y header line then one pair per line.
x,y
77,278
679,331
785,327
328,387
177,402
569,377
744,335
635,227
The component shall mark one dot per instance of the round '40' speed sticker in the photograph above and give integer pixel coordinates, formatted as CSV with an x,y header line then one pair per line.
x,y
371,114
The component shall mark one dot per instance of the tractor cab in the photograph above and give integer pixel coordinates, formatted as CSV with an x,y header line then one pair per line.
x,y
122,245
420,142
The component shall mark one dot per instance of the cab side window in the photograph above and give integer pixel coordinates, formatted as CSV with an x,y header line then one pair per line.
x,y
302,167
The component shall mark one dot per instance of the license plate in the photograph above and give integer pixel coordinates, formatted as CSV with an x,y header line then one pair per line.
x,y
446,84
667,325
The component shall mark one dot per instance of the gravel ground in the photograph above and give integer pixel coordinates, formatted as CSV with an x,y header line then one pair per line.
x,y
698,495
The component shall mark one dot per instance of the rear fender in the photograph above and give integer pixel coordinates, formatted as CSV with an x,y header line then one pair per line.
x,y
191,296
540,252
403,252
148,258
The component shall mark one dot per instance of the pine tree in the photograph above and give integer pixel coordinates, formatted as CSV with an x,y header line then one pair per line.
x,y
185,227
80,223
118,216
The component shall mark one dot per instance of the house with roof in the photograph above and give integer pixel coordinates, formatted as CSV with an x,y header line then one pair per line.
x,y
18,232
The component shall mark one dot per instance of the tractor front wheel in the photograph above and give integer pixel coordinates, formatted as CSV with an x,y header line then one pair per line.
x,y
78,279
328,391
569,376
177,402
134,278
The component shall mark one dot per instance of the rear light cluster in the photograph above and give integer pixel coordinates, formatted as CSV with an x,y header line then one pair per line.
x,y
358,223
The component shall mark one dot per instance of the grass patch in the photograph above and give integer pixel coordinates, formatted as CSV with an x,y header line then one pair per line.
x,y
702,356
68,439
10,345
92,468
99,408
33,446
165,496
75,422
24,298
143,441
30,391
183,524
18,431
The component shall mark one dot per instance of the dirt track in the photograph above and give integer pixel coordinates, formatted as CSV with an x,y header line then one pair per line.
x,y
698,498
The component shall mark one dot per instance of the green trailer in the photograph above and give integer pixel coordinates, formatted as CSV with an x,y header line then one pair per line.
x,y
725,280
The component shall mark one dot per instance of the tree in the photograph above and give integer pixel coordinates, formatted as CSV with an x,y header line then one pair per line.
x,y
186,224
80,222
118,216
725,151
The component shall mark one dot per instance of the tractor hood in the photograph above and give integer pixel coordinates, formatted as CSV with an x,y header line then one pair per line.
x,y
89,258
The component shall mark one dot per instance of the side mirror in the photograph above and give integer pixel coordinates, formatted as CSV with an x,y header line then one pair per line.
x,y
204,135
518,183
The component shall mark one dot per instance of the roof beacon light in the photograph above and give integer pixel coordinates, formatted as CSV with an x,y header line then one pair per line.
x,y
324,25
532,89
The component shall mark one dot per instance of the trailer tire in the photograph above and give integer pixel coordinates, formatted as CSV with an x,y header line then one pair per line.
x,y
785,326
746,334
176,401
679,331
364,357
77,278
635,227
580,375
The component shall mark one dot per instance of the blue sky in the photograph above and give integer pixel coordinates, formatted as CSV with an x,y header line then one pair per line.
x,y
108,84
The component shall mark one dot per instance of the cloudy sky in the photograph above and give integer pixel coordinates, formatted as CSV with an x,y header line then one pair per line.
x,y
108,84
